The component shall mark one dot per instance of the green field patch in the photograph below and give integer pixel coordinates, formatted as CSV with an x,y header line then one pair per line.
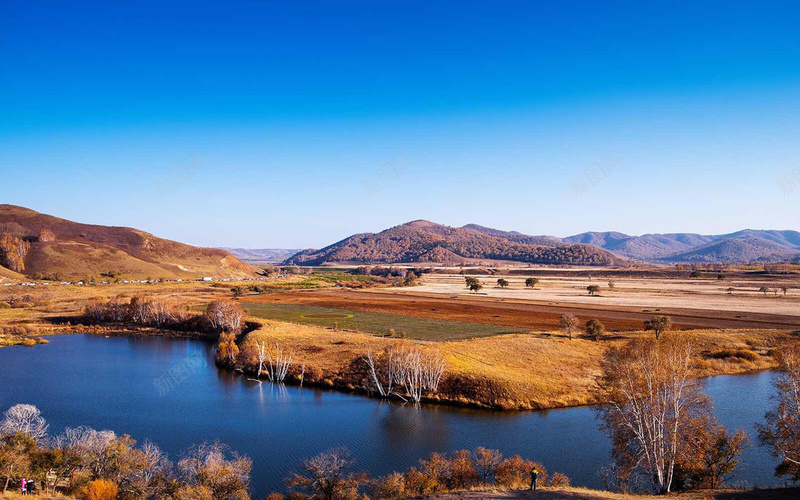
x,y
376,323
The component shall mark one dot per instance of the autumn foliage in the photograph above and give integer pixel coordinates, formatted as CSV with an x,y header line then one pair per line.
x,y
100,489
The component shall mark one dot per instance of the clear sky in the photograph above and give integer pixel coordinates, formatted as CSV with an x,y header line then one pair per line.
x,y
501,110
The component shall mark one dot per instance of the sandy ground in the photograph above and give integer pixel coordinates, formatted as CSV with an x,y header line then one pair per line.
x,y
703,294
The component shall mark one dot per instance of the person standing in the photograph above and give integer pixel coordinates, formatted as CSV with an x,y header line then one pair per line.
x,y
534,477
23,486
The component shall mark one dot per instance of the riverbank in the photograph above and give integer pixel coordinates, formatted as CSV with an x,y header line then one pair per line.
x,y
530,371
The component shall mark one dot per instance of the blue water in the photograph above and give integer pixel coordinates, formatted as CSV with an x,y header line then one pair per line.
x,y
109,383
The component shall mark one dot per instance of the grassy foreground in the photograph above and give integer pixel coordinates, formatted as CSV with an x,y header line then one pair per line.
x,y
586,494
560,494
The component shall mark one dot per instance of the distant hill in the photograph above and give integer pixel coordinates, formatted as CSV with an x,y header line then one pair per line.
x,y
43,246
271,255
743,246
425,241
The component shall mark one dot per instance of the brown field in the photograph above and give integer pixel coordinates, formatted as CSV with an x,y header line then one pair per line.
x,y
505,309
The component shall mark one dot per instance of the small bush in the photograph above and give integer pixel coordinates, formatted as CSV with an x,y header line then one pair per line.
x,y
42,341
744,354
101,489
559,480
389,487
28,342
515,473
5,305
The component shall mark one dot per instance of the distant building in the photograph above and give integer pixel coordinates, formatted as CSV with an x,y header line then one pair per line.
x,y
207,278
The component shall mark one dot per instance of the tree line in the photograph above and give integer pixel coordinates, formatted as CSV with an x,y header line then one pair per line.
x,y
221,316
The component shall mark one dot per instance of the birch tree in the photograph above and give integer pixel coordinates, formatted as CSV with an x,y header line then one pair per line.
x,y
26,419
655,406
781,431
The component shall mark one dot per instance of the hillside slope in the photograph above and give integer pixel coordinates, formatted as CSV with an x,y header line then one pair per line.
x,y
424,241
43,246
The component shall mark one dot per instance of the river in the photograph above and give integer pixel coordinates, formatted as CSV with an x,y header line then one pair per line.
x,y
110,383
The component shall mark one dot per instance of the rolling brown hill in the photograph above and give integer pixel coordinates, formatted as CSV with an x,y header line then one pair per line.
x,y
424,241
46,247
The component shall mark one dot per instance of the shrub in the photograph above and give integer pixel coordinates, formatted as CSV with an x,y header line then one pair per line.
x,y
559,480
101,489
28,342
416,482
462,471
5,305
389,487
193,493
745,354
515,473
595,329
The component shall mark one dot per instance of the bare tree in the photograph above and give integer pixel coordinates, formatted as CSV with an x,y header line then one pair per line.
x,y
26,419
212,466
147,477
656,407
486,461
262,355
278,367
569,322
406,370
225,315
781,432
325,476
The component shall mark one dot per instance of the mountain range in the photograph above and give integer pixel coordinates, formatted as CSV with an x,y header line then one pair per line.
x,y
41,246
425,241
268,255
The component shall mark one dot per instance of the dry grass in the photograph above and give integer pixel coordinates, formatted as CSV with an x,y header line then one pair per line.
x,y
519,371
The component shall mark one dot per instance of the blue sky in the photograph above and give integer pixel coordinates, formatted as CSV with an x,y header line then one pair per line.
x,y
500,107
